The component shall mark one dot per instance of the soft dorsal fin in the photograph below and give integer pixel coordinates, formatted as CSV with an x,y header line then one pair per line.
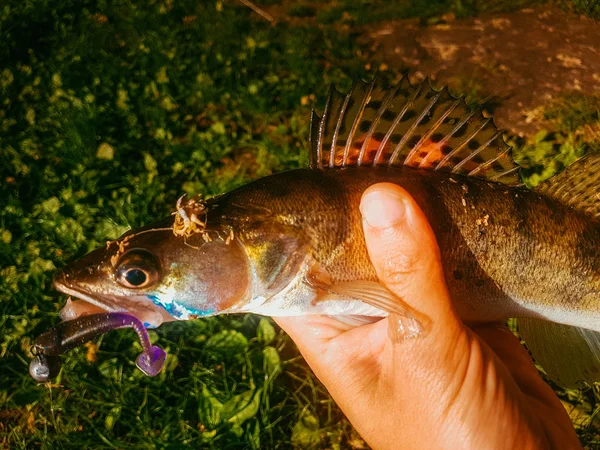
x,y
375,125
577,186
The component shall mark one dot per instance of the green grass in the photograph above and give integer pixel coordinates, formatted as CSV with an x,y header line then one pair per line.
x,y
588,8
574,110
109,110
108,113
574,119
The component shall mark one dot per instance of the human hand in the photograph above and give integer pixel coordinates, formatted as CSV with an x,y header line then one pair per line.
x,y
454,388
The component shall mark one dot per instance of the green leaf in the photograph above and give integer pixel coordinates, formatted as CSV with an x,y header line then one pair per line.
x,y
306,432
209,410
227,343
105,151
112,416
107,229
237,431
150,163
253,434
5,236
242,407
272,361
108,368
50,206
38,266
265,332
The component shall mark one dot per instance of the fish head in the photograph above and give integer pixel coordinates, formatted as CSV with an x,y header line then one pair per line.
x,y
159,276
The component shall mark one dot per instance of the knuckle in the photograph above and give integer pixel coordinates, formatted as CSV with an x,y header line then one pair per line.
x,y
399,267
399,255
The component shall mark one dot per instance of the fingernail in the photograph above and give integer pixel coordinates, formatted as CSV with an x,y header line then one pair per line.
x,y
382,209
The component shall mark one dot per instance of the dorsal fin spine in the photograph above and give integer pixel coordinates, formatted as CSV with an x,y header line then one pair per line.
x,y
341,116
476,152
465,142
376,120
433,129
446,158
357,120
503,174
322,125
488,163
314,157
411,130
395,123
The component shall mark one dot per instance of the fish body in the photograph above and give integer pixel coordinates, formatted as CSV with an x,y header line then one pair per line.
x,y
292,243
506,251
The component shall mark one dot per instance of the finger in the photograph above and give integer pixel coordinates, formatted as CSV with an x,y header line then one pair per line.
x,y
312,331
513,355
505,345
404,251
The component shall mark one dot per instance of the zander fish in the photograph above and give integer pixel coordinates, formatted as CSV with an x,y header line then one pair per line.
x,y
292,243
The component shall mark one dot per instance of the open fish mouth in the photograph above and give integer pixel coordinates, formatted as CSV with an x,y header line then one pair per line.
x,y
86,302
95,301
88,318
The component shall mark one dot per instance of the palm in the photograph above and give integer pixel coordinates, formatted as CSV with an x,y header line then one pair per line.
x,y
486,378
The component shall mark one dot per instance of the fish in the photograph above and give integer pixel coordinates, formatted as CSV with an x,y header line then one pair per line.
x,y
292,243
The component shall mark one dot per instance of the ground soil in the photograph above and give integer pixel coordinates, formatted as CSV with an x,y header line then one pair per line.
x,y
524,59
520,61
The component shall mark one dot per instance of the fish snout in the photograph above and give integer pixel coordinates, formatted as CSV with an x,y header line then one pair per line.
x,y
61,278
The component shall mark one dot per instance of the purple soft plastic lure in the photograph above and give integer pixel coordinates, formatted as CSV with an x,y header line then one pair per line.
x,y
70,334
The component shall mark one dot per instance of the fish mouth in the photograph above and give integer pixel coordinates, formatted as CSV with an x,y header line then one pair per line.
x,y
82,323
103,302
90,303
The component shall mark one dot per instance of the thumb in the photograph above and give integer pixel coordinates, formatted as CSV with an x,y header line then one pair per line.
x,y
404,251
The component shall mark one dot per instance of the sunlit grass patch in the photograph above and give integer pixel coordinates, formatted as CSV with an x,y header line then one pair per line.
x,y
573,111
547,154
586,7
575,120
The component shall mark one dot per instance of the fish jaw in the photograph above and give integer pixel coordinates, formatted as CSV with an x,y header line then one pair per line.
x,y
74,309
61,284
87,303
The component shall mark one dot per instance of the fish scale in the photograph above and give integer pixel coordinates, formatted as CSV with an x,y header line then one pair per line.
x,y
520,228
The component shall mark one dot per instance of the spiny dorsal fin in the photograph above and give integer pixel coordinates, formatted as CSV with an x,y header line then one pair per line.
x,y
577,186
374,125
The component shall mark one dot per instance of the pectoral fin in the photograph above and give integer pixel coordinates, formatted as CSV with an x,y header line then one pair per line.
x,y
569,355
407,322
357,320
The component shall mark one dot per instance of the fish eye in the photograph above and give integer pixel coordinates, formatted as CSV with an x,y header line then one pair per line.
x,y
137,268
135,277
